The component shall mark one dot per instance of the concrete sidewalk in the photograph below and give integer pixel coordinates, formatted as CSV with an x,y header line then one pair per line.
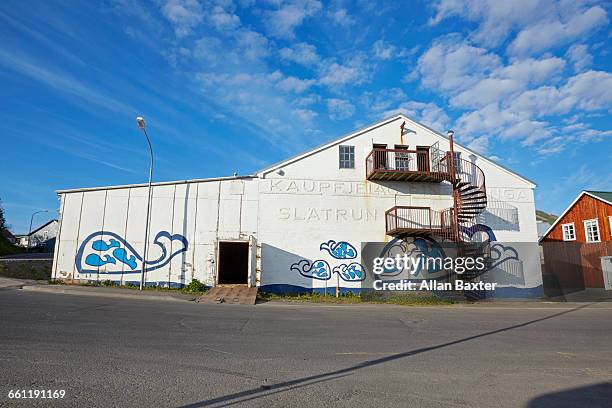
x,y
8,283
119,293
31,285
488,305
12,283
123,293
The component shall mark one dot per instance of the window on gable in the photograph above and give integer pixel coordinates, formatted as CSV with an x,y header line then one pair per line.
x,y
591,230
569,232
610,224
347,157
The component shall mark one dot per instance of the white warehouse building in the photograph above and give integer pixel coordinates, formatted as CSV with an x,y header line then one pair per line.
x,y
299,225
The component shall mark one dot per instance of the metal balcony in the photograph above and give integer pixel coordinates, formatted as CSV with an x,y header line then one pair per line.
x,y
407,165
401,220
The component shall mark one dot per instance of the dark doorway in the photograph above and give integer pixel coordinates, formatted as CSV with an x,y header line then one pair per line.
x,y
422,158
233,262
380,157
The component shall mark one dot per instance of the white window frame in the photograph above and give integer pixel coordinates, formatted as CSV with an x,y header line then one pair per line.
x,y
610,224
586,230
569,224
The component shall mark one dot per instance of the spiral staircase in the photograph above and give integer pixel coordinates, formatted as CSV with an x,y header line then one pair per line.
x,y
470,194
456,224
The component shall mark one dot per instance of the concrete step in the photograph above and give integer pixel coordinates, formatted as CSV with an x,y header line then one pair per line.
x,y
232,294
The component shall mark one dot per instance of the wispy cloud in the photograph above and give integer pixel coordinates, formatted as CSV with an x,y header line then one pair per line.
x,y
62,82
244,83
340,108
37,37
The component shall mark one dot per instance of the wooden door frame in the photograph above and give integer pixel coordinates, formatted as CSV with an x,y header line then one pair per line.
x,y
217,258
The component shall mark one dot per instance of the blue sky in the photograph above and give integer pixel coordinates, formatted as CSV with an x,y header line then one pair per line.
x,y
231,86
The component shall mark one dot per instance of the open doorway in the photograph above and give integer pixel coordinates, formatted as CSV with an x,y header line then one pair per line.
x,y
233,266
422,158
380,157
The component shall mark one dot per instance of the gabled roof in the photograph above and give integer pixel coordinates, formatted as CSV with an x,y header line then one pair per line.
x,y
374,126
7,234
159,183
604,196
303,155
41,227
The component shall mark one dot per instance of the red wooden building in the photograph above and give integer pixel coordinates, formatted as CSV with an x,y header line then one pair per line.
x,y
578,246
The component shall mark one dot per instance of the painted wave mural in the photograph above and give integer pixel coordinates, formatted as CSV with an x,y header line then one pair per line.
x,y
107,253
339,250
320,269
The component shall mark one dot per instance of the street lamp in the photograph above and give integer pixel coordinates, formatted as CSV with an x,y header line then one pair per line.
x,y
30,230
141,125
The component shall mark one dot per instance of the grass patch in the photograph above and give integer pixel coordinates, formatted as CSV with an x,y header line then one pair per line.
x,y
309,297
26,270
408,299
56,282
197,289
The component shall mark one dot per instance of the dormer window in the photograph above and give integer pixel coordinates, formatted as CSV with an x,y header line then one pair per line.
x,y
347,157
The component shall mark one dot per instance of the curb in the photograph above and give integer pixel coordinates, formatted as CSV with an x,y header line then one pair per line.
x,y
101,293
12,283
457,306
16,286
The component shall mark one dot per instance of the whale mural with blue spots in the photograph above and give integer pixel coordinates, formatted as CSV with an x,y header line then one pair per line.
x,y
339,250
414,247
110,251
353,272
318,269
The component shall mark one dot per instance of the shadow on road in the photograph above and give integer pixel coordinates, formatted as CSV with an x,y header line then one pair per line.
x,y
593,396
270,389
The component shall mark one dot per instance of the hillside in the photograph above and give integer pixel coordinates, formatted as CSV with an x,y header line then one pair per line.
x,y
546,217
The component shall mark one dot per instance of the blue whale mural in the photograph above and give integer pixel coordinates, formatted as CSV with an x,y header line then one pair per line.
x,y
353,272
425,246
339,250
106,248
318,269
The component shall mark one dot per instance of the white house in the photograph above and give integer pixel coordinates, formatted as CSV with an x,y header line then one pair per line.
x,y
299,224
40,236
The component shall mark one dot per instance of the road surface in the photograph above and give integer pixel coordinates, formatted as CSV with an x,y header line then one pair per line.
x,y
123,352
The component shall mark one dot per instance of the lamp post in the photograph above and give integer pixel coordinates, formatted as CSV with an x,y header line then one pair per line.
x,y
141,125
30,230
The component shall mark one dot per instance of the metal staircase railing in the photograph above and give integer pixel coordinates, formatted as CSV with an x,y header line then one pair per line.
x,y
402,219
455,223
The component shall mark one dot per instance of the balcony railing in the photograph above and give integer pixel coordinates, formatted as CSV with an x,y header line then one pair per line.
x,y
406,165
419,220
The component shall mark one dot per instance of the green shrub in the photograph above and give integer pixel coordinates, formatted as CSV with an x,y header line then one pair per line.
x,y
195,286
6,248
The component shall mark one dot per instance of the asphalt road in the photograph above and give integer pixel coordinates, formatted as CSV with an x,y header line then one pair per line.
x,y
122,352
